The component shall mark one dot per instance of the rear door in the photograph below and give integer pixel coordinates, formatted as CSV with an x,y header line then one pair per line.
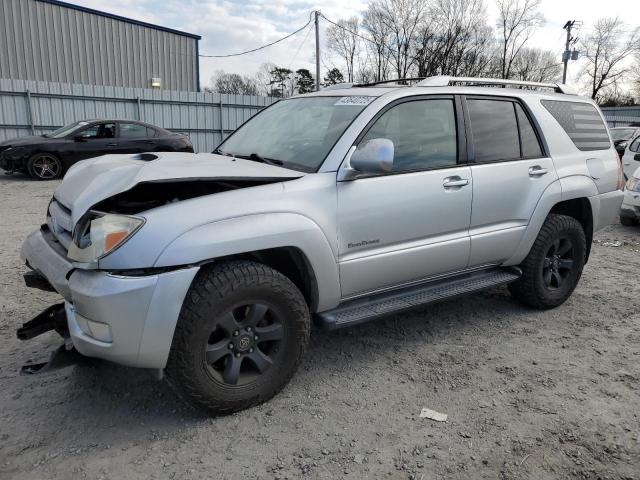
x,y
135,138
510,173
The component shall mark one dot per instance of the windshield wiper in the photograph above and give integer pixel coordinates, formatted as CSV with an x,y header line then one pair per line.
x,y
220,152
258,158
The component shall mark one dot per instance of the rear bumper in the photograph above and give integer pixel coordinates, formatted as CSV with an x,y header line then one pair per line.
x,y
125,319
630,207
605,208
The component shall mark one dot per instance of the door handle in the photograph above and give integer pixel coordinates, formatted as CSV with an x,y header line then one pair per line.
x,y
537,171
112,144
451,182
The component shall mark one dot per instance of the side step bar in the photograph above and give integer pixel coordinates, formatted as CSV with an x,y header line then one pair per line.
x,y
367,308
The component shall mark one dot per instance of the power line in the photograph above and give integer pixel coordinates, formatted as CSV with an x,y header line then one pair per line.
x,y
293,59
263,46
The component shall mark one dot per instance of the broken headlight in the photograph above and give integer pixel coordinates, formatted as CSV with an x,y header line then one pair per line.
x,y
633,184
97,234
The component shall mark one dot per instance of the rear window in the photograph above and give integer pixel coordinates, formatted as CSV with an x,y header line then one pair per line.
x,y
582,122
495,130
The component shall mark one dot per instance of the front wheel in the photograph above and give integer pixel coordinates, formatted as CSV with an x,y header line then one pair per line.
x,y
44,166
554,265
242,332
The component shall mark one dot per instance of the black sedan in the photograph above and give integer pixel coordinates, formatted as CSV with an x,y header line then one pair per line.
x,y
50,155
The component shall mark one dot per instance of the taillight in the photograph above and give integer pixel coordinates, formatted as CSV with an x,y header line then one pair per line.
x,y
620,172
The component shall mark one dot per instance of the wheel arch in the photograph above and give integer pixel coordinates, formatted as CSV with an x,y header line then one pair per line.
x,y
288,242
580,209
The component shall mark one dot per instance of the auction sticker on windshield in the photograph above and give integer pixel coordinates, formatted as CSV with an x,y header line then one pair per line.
x,y
355,100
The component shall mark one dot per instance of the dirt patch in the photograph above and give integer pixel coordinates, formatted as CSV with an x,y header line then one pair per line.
x,y
528,394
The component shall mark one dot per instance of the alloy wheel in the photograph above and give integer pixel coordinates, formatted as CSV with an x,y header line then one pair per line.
x,y
244,343
46,167
558,263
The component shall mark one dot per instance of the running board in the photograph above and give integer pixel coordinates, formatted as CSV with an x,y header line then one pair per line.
x,y
373,306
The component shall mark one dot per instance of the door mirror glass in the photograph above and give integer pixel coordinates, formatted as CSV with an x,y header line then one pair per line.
x,y
373,156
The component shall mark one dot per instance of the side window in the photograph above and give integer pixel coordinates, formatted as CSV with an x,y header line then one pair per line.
x,y
529,141
494,129
635,145
132,130
99,130
581,122
423,133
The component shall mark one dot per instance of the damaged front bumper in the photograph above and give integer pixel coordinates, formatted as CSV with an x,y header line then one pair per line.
x,y
122,318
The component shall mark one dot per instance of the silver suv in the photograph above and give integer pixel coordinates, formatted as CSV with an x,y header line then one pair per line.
x,y
339,206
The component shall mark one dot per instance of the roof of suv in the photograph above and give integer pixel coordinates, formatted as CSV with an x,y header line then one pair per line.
x,y
448,85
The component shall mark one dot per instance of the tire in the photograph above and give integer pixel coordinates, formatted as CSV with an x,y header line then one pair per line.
x,y
232,303
44,166
627,222
554,265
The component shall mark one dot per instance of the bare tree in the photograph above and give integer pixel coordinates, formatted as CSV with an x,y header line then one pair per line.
x,y
264,80
607,49
536,65
378,50
402,18
233,83
342,39
517,20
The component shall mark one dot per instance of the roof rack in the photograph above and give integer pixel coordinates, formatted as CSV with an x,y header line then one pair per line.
x,y
444,81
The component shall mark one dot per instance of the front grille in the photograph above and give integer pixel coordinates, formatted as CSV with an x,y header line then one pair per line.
x,y
60,223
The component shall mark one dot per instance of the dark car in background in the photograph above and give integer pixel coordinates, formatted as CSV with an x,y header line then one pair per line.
x,y
49,156
621,136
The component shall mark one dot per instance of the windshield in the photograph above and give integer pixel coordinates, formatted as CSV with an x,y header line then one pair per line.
x,y
64,131
622,133
297,133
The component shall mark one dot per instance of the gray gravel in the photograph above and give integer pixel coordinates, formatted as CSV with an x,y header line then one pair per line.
x,y
529,394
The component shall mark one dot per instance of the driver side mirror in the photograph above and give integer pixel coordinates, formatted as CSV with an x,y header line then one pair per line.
x,y
373,156
78,138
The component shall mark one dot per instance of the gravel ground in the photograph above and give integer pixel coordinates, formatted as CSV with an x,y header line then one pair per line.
x,y
529,394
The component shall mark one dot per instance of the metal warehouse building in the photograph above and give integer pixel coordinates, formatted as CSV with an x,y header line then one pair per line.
x,y
50,40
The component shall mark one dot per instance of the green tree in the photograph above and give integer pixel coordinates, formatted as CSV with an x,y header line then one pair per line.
x,y
280,79
305,82
333,76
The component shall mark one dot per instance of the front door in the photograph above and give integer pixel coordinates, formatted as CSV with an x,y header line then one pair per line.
x,y
95,140
412,223
510,174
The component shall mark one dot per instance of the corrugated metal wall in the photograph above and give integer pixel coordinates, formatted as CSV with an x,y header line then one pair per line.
x,y
49,42
621,116
34,108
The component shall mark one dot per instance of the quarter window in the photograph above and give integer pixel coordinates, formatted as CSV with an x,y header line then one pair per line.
x,y
494,129
423,133
582,122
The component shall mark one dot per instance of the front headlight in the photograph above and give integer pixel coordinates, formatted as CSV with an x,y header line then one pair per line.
x,y
97,234
633,184
14,152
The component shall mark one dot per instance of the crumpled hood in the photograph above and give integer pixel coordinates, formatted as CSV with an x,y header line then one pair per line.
x,y
91,181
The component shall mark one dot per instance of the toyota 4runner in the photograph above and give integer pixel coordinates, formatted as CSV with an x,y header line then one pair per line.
x,y
340,206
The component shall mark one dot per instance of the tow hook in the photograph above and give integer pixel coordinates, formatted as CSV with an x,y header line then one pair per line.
x,y
52,318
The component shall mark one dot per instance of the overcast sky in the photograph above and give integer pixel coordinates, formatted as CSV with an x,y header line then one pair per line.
x,y
231,26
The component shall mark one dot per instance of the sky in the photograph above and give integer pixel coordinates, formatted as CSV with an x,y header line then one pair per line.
x,y
228,26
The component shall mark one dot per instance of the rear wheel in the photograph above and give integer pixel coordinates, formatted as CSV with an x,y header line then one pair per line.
x,y
554,265
44,166
241,334
628,222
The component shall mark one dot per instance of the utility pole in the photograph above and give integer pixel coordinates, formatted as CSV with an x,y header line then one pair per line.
x,y
317,15
567,53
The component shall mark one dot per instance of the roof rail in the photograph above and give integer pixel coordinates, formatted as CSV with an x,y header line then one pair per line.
x,y
443,81
338,86
402,81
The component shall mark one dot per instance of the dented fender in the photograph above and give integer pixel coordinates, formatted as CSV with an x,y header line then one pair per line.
x,y
251,233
